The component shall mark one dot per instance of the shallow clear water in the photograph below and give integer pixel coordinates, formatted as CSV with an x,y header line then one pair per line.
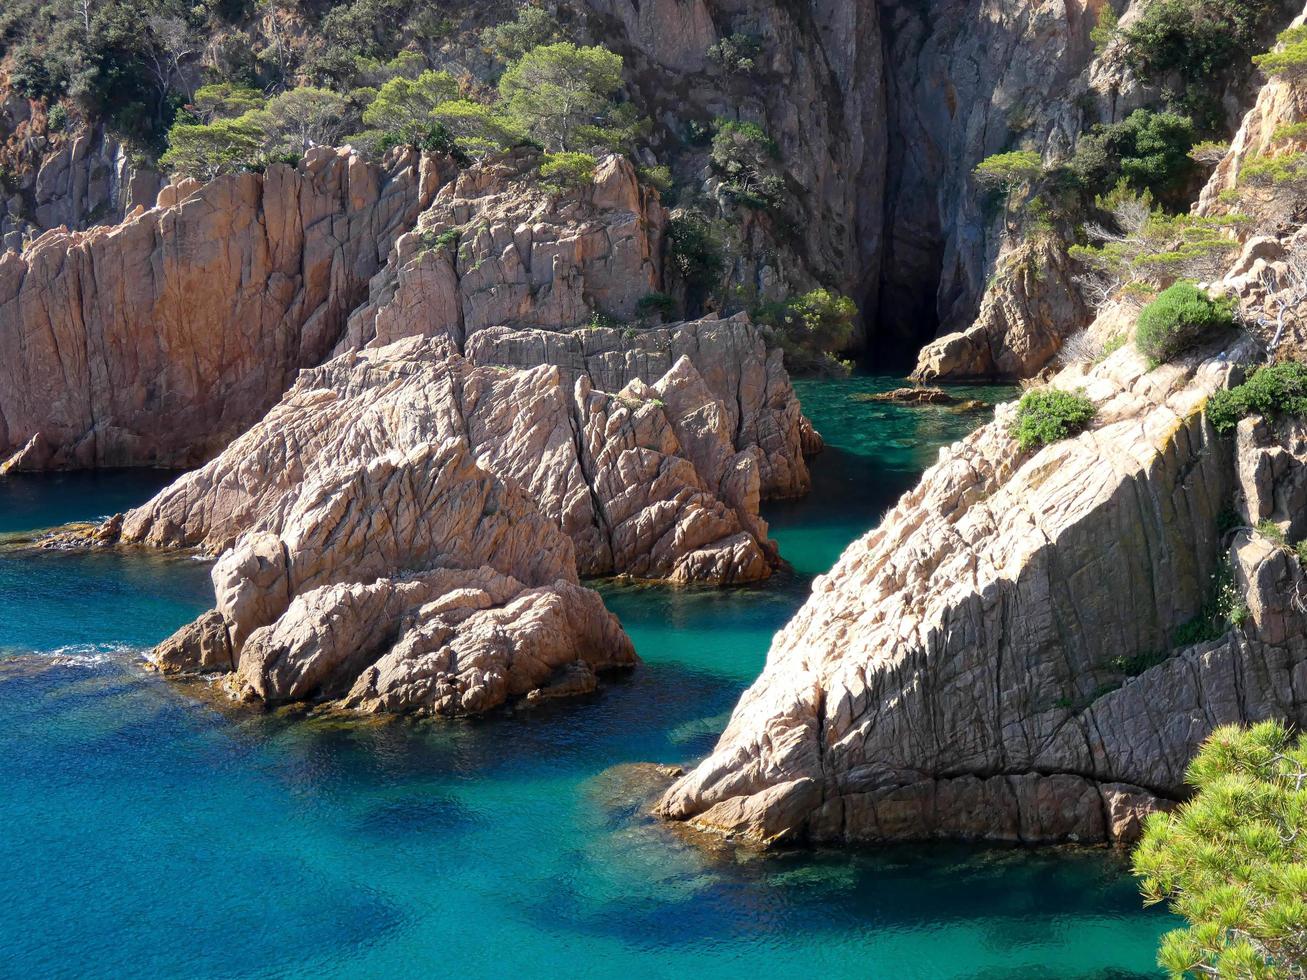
x,y
150,831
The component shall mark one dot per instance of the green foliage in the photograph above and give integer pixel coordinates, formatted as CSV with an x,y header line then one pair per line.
x,y
301,118
1045,416
477,129
658,177
1180,319
1153,248
1233,860
1275,170
444,241
204,150
1149,150
1271,531
1208,152
407,103
561,95
563,171
1194,47
1223,609
532,27
1104,31
365,27
224,100
748,161
1007,172
1300,551
56,120
694,256
811,328
736,54
1275,391
656,307
1289,59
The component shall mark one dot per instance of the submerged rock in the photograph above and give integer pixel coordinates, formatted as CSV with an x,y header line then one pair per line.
x,y
908,396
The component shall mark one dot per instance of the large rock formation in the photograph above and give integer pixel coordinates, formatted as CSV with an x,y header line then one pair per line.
x,y
411,582
660,479
1033,306
968,669
498,249
154,342
403,531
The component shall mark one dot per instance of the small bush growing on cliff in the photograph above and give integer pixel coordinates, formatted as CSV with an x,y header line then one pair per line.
x,y
1275,391
736,53
566,171
1180,319
1289,59
748,161
655,307
1105,29
1141,246
811,329
1195,46
1046,416
1148,150
694,256
1233,860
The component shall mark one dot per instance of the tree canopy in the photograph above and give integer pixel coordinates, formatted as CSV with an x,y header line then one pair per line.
x,y
1233,860
561,95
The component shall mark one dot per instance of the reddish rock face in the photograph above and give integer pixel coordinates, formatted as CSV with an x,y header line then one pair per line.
x,y
154,342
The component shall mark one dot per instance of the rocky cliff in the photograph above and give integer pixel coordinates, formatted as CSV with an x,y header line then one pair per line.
x,y
986,663
155,341
403,532
645,480
51,178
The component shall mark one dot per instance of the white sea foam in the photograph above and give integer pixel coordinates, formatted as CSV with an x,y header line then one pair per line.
x,y
88,654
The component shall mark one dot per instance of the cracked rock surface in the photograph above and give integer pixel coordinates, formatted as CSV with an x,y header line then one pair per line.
x,y
965,670
155,341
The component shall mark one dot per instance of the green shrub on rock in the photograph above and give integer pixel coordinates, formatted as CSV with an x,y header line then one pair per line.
x,y
1275,391
1046,416
655,306
562,171
811,329
1181,318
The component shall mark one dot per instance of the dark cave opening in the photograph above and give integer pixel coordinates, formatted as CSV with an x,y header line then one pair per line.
x,y
900,308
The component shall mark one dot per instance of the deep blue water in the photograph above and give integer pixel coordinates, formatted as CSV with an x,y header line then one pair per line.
x,y
146,830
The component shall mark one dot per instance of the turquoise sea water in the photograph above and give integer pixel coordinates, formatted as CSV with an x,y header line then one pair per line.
x,y
149,831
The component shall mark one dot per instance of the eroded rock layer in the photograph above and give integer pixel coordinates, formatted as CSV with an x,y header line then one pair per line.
x,y
155,341
986,663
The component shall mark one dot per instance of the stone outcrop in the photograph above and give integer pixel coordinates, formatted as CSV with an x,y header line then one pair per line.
x,y
657,479
56,178
985,663
155,341
408,582
1281,102
497,249
1033,306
